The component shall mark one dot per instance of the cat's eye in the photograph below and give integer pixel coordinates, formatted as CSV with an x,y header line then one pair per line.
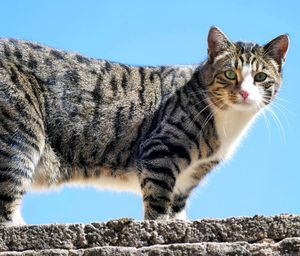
x,y
230,74
259,77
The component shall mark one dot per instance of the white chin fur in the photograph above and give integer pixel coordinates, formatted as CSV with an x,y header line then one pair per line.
x,y
245,106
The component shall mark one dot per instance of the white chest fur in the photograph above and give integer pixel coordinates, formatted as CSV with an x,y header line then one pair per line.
x,y
231,127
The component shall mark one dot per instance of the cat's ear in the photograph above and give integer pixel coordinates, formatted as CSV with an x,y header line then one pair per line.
x,y
217,42
277,48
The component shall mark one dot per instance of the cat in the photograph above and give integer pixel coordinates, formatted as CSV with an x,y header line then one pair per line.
x,y
157,131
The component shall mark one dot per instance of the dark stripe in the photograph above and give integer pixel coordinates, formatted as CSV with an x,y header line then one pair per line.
x,y
236,63
131,110
153,143
118,121
57,54
178,207
158,169
254,48
6,51
156,154
38,91
248,55
176,166
9,157
85,169
181,197
180,151
6,199
32,63
28,116
97,98
19,142
48,61
207,141
166,71
8,178
17,122
109,148
73,76
82,59
159,209
28,131
14,171
15,79
142,90
253,60
156,182
241,59
34,46
5,154
18,54
242,49
152,77
191,136
173,80
114,85
124,82
107,67
173,149
268,85
159,198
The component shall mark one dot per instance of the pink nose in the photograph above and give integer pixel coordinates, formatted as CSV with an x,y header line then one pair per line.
x,y
244,94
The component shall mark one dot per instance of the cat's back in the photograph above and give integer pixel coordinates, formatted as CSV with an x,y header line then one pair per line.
x,y
44,61
85,102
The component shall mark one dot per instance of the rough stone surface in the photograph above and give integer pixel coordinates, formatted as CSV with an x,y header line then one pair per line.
x,y
258,235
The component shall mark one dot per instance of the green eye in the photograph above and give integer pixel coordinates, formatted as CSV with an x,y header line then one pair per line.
x,y
230,74
259,77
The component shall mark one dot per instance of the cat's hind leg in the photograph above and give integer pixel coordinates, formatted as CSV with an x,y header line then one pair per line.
x,y
21,144
18,159
16,171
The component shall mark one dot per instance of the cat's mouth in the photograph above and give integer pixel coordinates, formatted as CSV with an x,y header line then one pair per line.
x,y
245,105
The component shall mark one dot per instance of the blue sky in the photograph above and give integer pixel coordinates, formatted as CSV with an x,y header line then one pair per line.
x,y
264,175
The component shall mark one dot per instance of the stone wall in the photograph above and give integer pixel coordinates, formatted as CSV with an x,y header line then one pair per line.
x,y
258,235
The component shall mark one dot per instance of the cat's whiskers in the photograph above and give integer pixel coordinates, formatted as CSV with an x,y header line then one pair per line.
x,y
279,108
266,120
284,100
284,111
277,122
280,104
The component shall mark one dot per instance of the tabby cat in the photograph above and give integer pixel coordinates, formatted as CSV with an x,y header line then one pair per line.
x,y
158,131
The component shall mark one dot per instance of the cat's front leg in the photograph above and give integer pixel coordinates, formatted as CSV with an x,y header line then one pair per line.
x,y
183,190
158,177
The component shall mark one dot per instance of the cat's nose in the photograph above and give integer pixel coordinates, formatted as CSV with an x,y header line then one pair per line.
x,y
244,94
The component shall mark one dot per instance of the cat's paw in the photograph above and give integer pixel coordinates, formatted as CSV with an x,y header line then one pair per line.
x,y
180,215
16,220
13,223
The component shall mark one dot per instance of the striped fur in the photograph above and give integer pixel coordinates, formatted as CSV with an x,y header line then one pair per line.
x,y
66,118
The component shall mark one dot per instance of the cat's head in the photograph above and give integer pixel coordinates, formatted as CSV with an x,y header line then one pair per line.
x,y
243,76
